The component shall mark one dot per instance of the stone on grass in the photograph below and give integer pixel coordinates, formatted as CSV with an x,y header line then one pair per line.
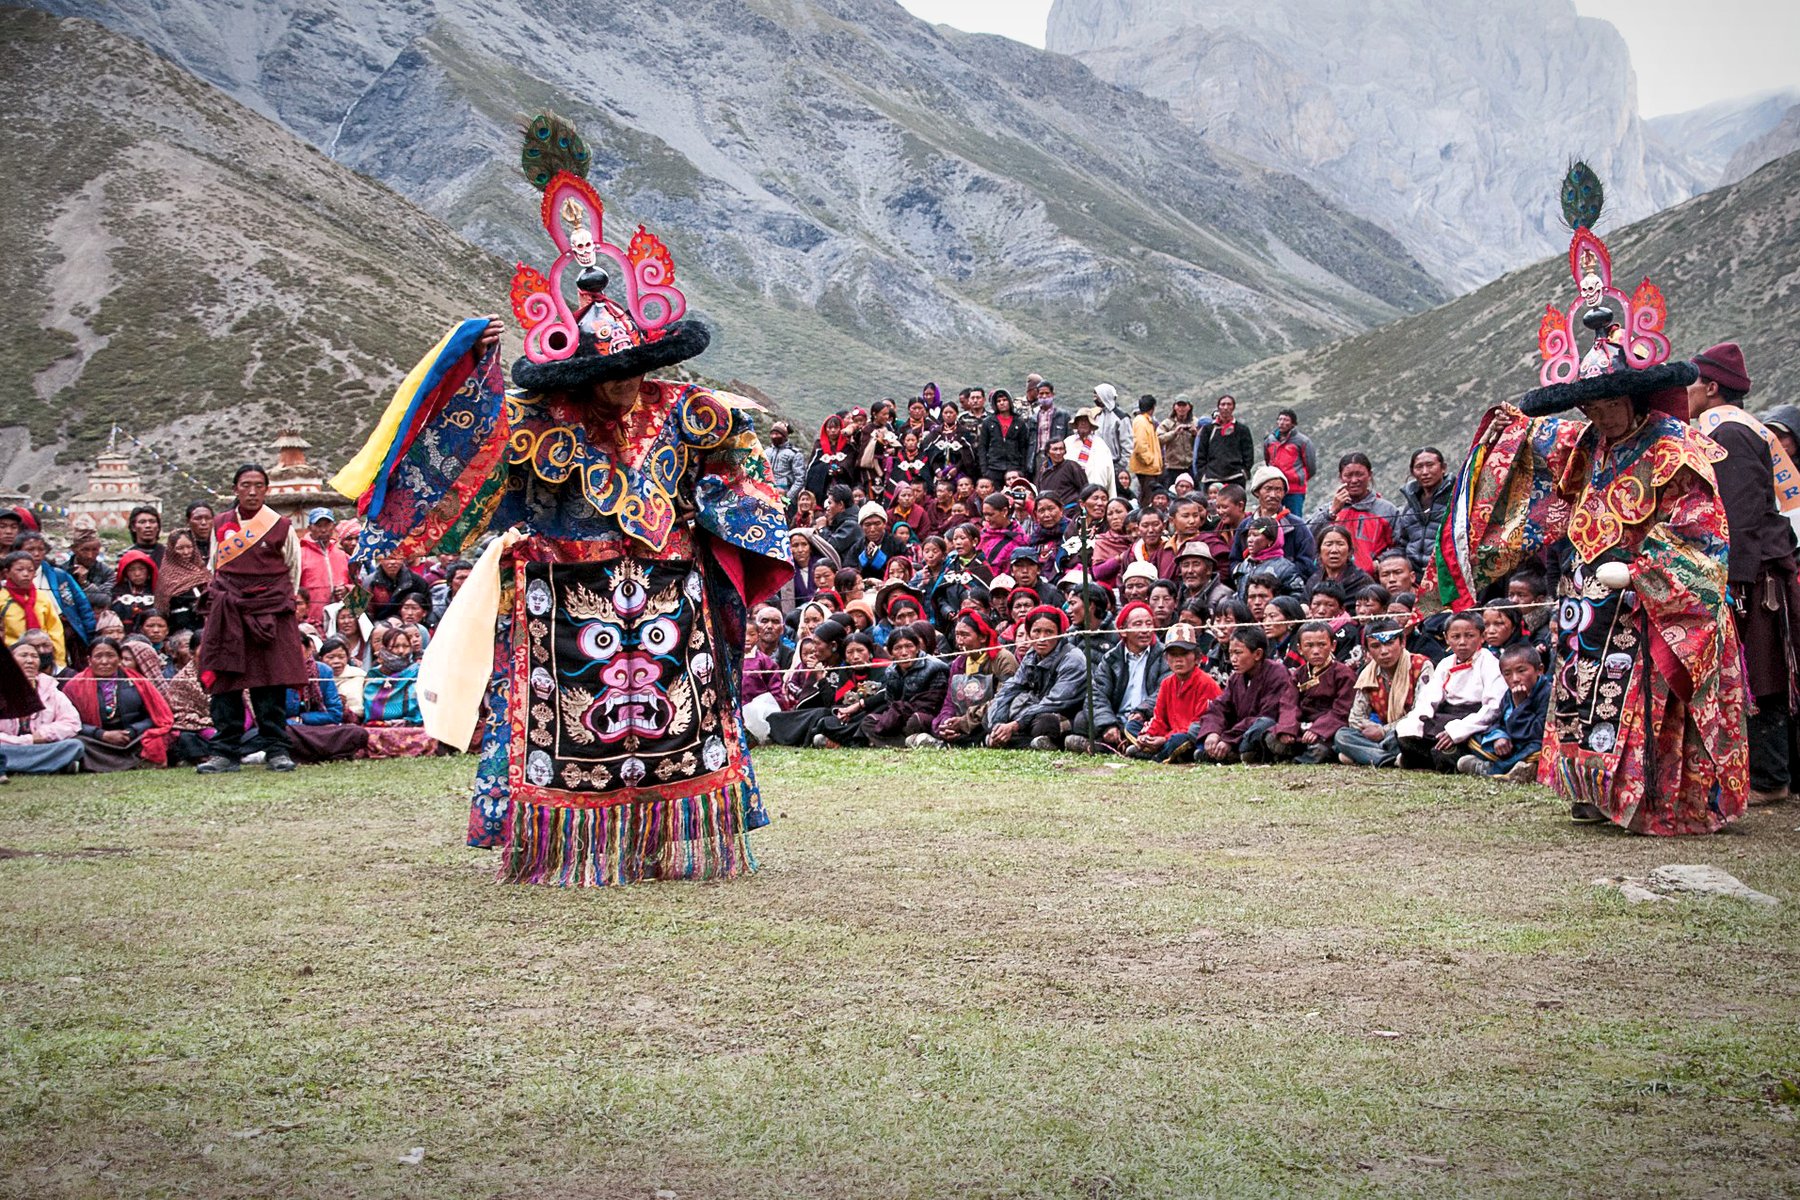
x,y
1708,881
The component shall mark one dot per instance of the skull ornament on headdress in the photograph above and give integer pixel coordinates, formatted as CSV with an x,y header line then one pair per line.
x,y
1629,355
570,350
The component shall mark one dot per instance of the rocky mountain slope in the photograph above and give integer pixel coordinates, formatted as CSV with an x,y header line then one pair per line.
x,y
184,266
1711,137
857,200
1434,118
1728,263
1782,139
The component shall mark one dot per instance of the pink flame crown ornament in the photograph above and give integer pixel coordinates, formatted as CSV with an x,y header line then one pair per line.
x,y
555,160
1628,326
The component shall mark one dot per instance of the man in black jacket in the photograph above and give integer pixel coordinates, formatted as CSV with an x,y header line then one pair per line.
x,y
1126,678
841,527
1224,451
1761,566
1423,502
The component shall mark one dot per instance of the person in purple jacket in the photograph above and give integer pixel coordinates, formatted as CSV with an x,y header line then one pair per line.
x,y
1258,717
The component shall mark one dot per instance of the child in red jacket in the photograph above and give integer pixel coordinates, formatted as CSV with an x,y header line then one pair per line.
x,y
1182,699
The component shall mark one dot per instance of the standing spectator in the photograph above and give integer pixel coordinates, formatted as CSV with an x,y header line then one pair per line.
x,y
145,524
1224,451
1176,437
200,523
324,569
444,590
787,470
1087,449
831,463
1049,424
67,595
1060,477
1290,452
1005,441
390,582
1423,502
1359,508
181,584
1113,425
252,640
1760,566
1146,452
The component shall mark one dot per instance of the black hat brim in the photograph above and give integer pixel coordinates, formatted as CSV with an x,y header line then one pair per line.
x,y
586,367
1561,397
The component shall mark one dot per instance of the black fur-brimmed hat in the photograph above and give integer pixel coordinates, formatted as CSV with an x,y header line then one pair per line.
x,y
1663,388
588,365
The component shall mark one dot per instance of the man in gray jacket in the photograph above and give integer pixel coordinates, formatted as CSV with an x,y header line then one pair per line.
x,y
787,468
1125,682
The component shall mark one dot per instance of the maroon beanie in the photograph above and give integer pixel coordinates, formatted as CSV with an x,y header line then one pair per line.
x,y
1724,365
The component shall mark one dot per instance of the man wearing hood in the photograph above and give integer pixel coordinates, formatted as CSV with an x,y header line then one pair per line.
x,y
1113,427
1754,480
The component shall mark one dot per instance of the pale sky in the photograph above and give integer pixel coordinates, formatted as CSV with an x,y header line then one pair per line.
x,y
1686,53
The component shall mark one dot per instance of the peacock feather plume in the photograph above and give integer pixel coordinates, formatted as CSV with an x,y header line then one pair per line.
x,y
1582,196
552,145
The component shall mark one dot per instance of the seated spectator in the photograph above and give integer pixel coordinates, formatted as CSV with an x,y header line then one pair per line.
x,y
138,655
1028,576
1269,488
837,681
442,593
1126,679
412,617
1134,584
190,715
864,694
47,741
1530,594
1258,715
349,678
1112,545
1199,580
134,591
916,685
1501,626
1512,747
353,629
1037,706
976,675
1000,534
1281,620
1395,572
1460,701
1151,547
1182,698
1327,604
27,608
869,556
1385,690
1165,603
1089,608
180,652
317,727
125,722
1327,690
1371,602
390,694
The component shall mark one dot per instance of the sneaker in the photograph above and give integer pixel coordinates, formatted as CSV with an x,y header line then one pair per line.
x,y
1525,772
1761,799
255,757
1043,743
1472,764
1075,744
1586,814
923,741
217,764
278,761
1346,760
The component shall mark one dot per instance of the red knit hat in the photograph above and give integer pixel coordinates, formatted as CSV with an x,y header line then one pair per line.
x,y
1134,606
1724,365
1047,610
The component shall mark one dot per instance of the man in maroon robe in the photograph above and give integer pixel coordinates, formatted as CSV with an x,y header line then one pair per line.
x,y
252,638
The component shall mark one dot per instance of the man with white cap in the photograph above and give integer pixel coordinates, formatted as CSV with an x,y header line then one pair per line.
x,y
1269,493
871,558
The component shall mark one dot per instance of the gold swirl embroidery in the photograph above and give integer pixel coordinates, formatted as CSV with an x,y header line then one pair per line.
x,y
461,418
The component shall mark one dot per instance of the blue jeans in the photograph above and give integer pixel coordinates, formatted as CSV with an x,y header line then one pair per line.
x,y
1365,752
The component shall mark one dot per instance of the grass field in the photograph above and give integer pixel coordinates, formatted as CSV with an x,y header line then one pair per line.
x,y
957,974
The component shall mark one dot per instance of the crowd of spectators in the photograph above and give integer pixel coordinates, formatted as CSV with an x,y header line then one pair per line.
x,y
108,641
969,572
980,572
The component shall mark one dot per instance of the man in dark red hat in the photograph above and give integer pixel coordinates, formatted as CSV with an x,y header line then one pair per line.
x,y
1761,567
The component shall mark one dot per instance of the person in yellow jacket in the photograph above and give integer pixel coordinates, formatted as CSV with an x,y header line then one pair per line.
x,y
1146,450
24,606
